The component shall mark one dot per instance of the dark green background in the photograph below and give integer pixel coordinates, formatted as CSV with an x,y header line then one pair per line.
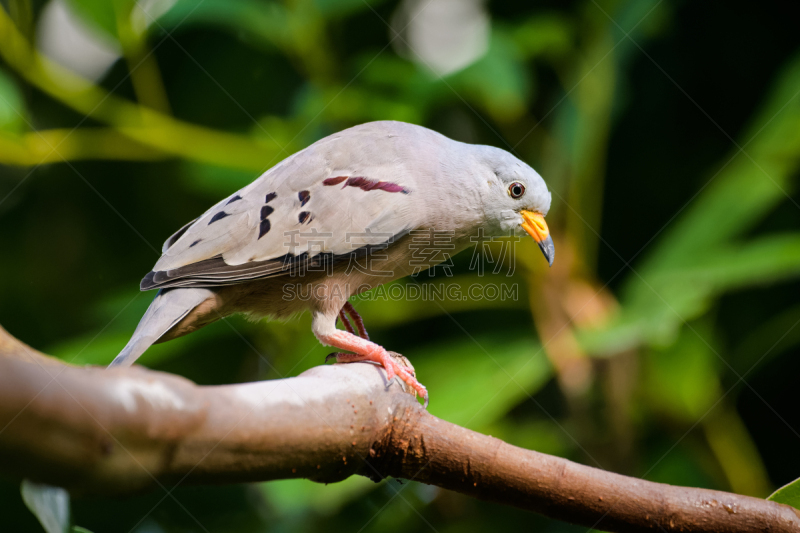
x,y
669,132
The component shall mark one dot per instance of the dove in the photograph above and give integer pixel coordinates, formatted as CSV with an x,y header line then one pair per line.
x,y
340,217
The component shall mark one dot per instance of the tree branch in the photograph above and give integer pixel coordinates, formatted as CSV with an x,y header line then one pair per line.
x,y
94,430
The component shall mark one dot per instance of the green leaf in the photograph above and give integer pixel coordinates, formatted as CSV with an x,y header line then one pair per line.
x,y
748,187
478,380
789,494
78,529
681,379
298,496
659,302
50,505
12,106
698,259
100,14
548,35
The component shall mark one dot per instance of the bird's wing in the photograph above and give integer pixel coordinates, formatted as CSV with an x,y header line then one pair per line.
x,y
341,196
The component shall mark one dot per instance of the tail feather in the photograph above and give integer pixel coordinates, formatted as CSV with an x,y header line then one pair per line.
x,y
168,308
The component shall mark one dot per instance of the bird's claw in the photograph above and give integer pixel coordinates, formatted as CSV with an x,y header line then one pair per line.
x,y
419,390
395,366
334,355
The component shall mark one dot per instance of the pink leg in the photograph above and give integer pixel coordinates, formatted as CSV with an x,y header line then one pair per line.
x,y
364,350
345,321
362,331
348,326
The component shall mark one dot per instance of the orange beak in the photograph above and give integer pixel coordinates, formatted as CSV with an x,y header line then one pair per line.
x,y
536,227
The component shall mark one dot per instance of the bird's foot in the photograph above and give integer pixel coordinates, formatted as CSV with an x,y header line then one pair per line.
x,y
395,364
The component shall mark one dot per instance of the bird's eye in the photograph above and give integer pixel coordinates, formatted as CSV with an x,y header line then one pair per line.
x,y
516,190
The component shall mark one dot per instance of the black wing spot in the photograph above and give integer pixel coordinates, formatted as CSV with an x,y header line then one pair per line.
x,y
304,215
234,199
266,211
271,196
195,242
304,196
218,216
264,228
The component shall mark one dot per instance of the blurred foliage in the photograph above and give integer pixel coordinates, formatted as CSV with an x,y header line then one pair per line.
x,y
662,344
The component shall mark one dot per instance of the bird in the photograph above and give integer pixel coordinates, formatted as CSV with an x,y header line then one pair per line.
x,y
338,218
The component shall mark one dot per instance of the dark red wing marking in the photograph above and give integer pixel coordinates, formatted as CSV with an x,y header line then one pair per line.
x,y
366,184
334,181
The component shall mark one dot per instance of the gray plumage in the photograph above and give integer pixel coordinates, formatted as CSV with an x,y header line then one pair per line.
x,y
168,308
342,199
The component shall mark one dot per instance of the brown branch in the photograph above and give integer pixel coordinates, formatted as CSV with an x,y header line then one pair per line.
x,y
94,430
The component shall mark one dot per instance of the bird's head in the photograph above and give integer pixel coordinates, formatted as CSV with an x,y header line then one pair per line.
x,y
518,198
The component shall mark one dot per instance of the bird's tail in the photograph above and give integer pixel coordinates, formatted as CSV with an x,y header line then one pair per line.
x,y
168,308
